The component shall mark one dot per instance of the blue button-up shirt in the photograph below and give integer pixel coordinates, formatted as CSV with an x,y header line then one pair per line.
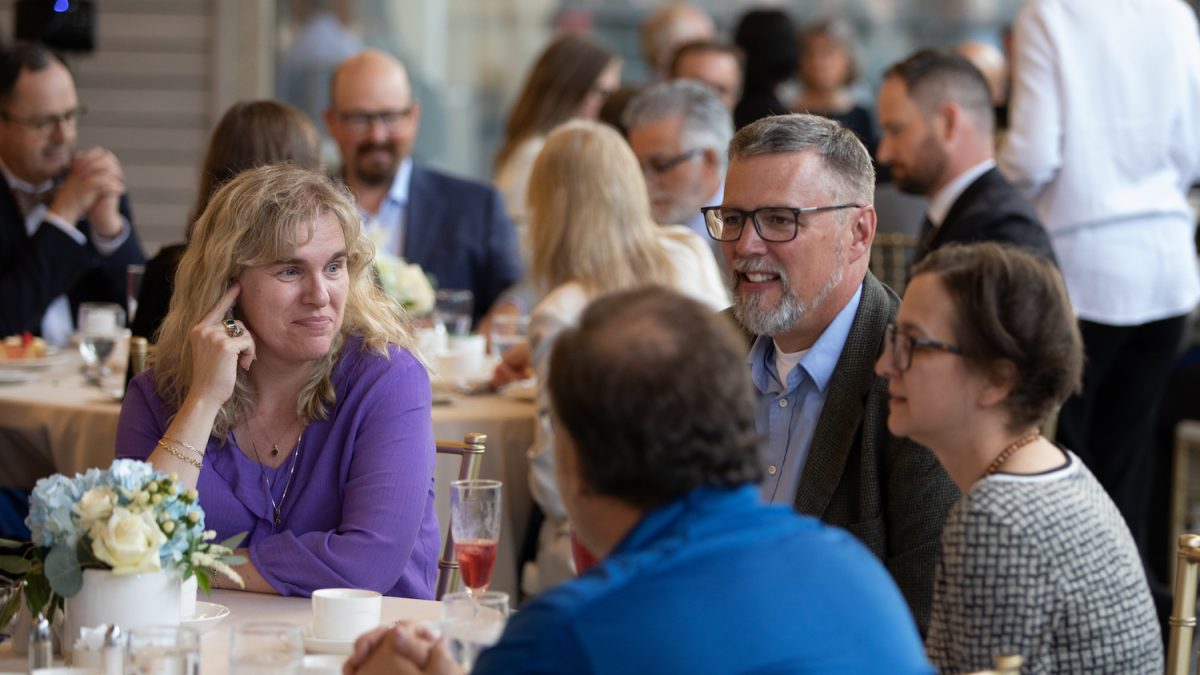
x,y
386,228
787,414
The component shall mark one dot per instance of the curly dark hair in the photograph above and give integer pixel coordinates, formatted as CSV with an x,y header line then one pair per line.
x,y
653,390
1010,305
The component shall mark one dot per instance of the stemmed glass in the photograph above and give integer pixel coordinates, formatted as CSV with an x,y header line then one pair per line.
x,y
162,650
266,648
475,526
101,326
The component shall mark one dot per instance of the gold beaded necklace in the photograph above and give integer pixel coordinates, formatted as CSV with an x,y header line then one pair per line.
x,y
1008,451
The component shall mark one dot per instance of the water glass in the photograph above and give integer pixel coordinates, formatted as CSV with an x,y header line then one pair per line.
x,y
103,343
506,331
266,649
453,309
162,650
471,624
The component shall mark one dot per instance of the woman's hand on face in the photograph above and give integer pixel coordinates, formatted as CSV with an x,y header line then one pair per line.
x,y
216,355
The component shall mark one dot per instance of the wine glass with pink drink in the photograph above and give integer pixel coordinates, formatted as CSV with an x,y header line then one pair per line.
x,y
475,507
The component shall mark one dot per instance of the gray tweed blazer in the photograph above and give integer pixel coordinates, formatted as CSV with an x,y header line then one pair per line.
x,y
889,492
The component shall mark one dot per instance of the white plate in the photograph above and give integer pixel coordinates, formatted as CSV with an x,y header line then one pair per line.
x,y
207,616
14,377
323,664
521,390
318,645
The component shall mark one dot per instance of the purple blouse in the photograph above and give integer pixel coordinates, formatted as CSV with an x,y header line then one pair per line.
x,y
359,512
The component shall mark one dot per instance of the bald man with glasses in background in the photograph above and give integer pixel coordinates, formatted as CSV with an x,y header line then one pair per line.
x,y
65,228
457,230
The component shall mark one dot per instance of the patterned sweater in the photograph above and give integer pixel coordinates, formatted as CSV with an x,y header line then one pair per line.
x,y
1042,566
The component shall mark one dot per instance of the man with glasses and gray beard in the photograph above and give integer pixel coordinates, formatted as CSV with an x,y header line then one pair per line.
x,y
796,226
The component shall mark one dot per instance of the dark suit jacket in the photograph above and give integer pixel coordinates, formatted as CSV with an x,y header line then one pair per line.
x,y
36,270
459,232
889,492
990,209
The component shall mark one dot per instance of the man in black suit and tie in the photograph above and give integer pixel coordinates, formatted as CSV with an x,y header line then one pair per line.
x,y
937,119
796,226
65,230
457,230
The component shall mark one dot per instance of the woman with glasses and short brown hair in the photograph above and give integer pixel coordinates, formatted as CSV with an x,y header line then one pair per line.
x,y
1035,558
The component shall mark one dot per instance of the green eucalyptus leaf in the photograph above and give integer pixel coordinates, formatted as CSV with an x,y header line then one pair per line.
x,y
233,560
11,606
63,571
37,593
234,541
12,543
203,581
14,564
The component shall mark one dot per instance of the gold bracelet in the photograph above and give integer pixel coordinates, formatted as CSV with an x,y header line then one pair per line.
x,y
169,448
183,445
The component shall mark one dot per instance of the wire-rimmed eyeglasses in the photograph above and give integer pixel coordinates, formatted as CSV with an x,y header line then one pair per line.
x,y
772,223
44,124
903,346
359,121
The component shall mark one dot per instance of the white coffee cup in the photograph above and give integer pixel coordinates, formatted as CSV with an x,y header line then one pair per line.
x,y
344,613
464,358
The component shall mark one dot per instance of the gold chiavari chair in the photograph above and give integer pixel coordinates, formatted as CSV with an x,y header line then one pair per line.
x,y
469,452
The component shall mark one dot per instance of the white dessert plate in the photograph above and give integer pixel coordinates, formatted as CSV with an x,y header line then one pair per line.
x,y
521,390
207,616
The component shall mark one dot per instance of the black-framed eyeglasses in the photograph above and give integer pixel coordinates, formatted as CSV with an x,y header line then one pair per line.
x,y
772,223
665,164
903,346
359,121
45,123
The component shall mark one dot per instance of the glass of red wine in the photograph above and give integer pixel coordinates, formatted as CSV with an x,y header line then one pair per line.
x,y
475,507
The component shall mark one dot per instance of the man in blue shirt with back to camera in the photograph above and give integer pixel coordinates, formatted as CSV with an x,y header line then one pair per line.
x,y
658,467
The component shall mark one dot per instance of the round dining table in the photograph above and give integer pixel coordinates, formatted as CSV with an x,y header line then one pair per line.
x,y
52,422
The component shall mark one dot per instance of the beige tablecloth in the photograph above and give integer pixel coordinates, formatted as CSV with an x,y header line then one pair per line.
x,y
54,423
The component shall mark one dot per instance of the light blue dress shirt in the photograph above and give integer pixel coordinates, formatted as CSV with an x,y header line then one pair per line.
x,y
787,415
386,228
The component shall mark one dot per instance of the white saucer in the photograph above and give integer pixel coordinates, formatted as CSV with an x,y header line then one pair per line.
x,y
323,664
316,645
207,616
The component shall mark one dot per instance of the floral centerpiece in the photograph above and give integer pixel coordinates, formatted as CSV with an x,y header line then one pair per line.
x,y
406,282
129,519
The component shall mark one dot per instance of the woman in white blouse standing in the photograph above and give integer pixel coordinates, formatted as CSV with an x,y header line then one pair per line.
x,y
591,232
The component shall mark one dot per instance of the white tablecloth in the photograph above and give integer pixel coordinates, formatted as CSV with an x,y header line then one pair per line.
x,y
54,423
253,607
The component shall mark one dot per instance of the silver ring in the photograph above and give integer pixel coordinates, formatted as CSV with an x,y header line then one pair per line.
x,y
233,328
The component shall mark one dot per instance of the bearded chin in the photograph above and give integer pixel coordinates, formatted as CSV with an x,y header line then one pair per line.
x,y
756,315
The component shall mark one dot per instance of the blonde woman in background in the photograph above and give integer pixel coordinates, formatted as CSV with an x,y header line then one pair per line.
x,y
571,79
590,233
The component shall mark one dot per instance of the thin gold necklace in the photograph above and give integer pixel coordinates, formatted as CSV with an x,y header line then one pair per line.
x,y
266,481
1008,451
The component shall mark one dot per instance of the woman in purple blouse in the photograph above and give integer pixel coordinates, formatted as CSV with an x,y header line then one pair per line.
x,y
285,390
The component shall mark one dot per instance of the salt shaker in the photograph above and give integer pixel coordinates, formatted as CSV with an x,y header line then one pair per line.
x,y
41,645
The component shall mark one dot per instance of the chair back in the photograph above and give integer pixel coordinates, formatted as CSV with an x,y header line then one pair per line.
x,y
891,253
1183,606
469,452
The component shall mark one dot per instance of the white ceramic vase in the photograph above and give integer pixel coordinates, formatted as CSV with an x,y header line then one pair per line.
x,y
128,601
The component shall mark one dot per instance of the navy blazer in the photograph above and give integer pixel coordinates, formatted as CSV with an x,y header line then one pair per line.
x,y
459,232
34,270
990,209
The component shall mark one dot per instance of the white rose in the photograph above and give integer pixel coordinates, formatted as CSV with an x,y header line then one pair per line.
x,y
95,504
129,542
